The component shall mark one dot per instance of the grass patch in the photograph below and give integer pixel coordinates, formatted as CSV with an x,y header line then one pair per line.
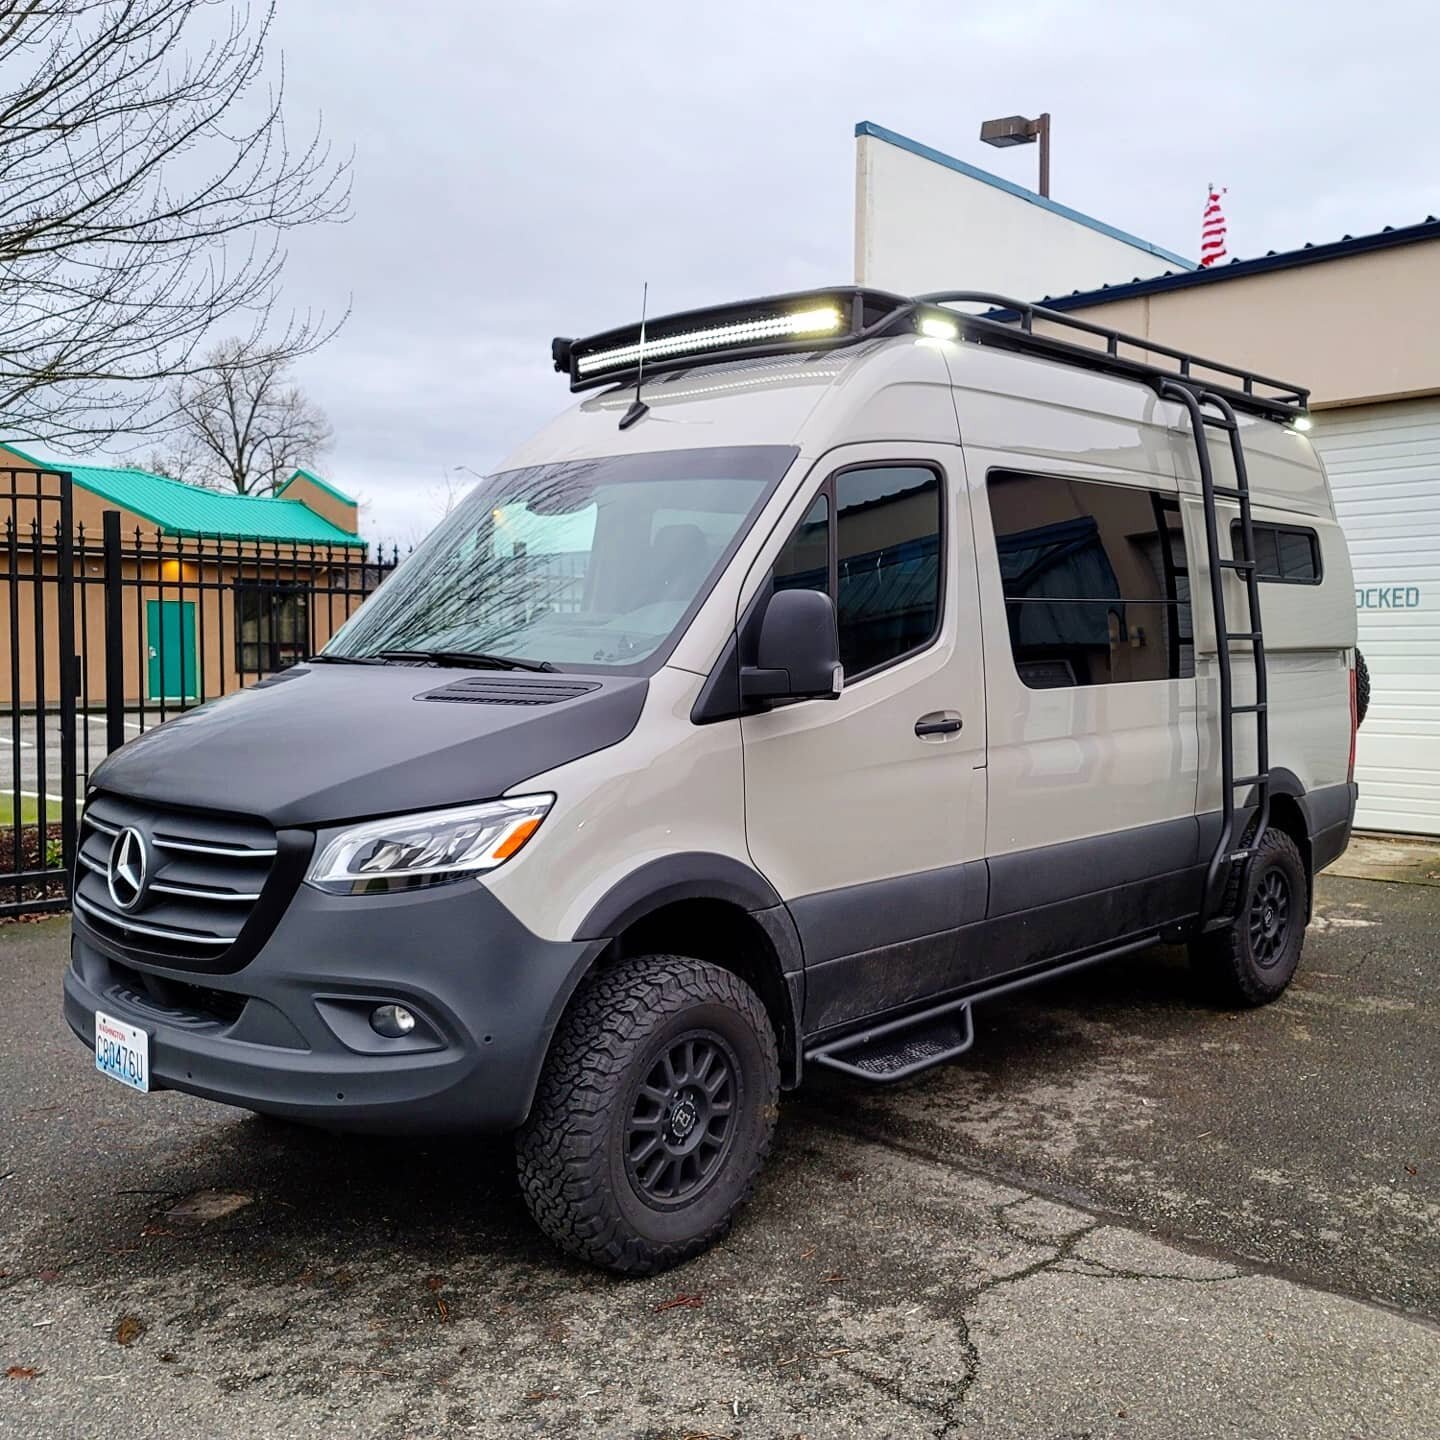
x,y
29,810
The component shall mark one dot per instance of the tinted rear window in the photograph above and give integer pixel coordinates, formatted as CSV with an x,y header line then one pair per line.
x,y
1286,553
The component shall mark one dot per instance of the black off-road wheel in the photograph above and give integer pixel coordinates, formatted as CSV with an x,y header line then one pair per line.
x,y
654,1114
1362,689
1253,960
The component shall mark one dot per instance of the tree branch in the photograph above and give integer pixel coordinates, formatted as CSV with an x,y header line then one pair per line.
x,y
135,222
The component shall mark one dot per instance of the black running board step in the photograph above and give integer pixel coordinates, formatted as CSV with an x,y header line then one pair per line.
x,y
901,1048
849,1051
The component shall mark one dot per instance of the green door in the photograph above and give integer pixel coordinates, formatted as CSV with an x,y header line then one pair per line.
x,y
170,635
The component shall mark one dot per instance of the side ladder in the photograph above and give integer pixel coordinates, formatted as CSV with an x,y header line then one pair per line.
x,y
1228,853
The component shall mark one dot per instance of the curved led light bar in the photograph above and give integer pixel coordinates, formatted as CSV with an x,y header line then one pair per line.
x,y
822,320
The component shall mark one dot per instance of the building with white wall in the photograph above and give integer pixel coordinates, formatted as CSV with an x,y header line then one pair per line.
x,y
927,221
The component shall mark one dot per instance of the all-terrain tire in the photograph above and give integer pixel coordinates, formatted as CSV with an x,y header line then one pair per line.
x,y
1362,689
1252,961
586,1160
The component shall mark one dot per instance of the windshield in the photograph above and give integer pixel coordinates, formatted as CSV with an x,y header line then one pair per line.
x,y
587,563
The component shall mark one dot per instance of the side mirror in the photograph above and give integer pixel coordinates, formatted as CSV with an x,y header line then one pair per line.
x,y
798,654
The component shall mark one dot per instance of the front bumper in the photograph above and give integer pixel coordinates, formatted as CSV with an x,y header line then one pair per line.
x,y
288,1033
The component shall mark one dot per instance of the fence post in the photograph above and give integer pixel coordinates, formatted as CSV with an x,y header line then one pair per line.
x,y
69,676
114,635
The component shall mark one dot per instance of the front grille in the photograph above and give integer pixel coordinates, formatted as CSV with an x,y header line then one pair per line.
x,y
203,874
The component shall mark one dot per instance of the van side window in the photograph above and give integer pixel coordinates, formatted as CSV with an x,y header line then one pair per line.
x,y
804,563
1097,591
881,564
887,563
1288,553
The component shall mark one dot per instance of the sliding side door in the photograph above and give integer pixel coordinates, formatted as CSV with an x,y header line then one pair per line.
x,y
1090,673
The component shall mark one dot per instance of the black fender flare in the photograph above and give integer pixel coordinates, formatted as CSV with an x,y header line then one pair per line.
x,y
687,875
1323,807
700,875
1286,782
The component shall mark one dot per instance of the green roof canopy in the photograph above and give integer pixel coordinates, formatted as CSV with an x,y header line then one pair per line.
x,y
181,509
325,485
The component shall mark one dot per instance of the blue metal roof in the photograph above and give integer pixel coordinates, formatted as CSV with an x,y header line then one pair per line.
x,y
1308,254
939,157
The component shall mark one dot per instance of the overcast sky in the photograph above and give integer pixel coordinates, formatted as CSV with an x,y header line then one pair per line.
x,y
520,169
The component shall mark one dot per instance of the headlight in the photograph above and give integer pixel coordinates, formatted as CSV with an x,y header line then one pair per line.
x,y
426,849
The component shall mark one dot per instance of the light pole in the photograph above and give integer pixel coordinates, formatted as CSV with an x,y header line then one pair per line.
x,y
1017,130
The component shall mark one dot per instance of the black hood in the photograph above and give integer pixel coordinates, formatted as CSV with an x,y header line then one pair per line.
x,y
325,743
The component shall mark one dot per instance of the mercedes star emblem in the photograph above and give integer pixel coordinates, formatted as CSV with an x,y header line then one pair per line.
x,y
126,873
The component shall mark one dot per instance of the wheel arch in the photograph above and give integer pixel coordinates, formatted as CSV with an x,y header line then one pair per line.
x,y
717,909
1289,812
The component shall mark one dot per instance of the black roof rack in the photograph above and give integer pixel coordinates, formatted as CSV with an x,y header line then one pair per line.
x,y
819,320
1011,323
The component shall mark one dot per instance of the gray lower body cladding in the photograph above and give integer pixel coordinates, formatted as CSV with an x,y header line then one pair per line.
x,y
289,1033
1330,814
878,948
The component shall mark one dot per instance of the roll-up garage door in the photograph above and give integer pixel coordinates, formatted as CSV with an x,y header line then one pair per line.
x,y
1384,468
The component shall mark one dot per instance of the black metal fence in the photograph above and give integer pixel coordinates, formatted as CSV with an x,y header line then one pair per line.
x,y
112,630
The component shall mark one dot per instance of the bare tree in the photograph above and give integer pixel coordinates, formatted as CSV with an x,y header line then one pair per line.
x,y
146,185
242,423
454,484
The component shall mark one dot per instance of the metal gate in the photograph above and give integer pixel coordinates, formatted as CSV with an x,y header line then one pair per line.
x,y
109,633
40,681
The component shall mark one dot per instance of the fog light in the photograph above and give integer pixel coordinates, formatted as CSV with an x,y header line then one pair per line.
x,y
391,1021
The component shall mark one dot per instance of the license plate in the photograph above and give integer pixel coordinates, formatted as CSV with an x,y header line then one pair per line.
x,y
122,1052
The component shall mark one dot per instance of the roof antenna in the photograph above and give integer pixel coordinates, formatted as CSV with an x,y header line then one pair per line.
x,y
638,408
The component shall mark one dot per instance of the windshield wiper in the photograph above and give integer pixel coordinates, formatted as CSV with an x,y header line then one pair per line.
x,y
344,660
475,659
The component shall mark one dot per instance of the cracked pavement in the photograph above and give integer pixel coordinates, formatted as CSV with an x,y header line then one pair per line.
x,y
1123,1214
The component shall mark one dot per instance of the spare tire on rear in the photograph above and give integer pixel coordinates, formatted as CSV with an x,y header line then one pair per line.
x,y
1362,688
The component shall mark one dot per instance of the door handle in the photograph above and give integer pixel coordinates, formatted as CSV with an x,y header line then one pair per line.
x,y
939,722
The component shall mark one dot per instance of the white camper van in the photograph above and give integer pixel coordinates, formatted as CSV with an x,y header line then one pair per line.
x,y
841,661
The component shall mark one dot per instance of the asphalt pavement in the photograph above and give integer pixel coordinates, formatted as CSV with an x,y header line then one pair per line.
x,y
1123,1214
32,750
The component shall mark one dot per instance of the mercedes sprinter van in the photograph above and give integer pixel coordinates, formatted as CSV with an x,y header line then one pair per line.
x,y
839,661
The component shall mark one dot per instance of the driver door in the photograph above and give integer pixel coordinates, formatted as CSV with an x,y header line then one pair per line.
x,y
867,813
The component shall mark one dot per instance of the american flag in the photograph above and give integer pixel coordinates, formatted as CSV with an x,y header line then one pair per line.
x,y
1212,230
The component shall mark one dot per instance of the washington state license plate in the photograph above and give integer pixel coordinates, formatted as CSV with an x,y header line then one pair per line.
x,y
122,1052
